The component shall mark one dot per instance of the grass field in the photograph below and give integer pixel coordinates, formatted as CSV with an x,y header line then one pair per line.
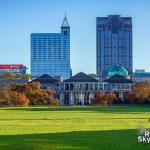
x,y
73,128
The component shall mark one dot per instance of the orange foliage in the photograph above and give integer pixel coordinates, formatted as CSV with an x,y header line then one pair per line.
x,y
19,99
103,98
55,102
4,97
140,93
36,95
141,89
8,98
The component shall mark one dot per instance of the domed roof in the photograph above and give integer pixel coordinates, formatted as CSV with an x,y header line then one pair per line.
x,y
117,70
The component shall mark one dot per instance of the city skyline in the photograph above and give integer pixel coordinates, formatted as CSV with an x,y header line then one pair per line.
x,y
17,23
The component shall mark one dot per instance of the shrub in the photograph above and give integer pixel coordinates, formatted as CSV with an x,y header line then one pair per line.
x,y
103,98
55,102
38,98
18,99
147,100
4,97
133,98
9,98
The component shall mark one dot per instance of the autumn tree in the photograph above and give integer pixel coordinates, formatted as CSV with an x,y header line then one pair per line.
x,y
18,99
12,98
26,88
4,97
36,95
22,94
104,98
140,93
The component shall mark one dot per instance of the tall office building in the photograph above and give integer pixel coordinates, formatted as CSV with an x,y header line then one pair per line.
x,y
113,42
50,53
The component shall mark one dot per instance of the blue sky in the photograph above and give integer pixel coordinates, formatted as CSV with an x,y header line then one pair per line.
x,y
20,18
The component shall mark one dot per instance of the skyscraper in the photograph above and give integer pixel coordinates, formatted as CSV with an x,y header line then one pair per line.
x,y
113,43
50,53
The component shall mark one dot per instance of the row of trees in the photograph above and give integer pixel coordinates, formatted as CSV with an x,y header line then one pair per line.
x,y
27,94
14,75
31,94
140,94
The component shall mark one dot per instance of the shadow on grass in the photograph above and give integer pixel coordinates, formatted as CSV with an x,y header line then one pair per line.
x,y
76,140
109,109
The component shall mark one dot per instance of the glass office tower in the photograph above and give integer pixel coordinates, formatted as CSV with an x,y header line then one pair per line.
x,y
50,53
114,43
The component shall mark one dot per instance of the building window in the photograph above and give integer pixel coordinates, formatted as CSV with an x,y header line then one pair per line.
x,y
65,32
66,86
71,86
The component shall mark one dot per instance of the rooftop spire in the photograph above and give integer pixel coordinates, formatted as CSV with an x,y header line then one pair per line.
x,y
65,22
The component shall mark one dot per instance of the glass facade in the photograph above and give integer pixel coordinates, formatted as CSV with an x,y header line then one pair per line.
x,y
50,53
114,43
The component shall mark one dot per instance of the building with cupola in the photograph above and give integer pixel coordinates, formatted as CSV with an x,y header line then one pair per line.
x,y
118,81
81,88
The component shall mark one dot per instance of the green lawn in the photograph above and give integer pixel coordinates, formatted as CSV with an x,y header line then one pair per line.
x,y
73,128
